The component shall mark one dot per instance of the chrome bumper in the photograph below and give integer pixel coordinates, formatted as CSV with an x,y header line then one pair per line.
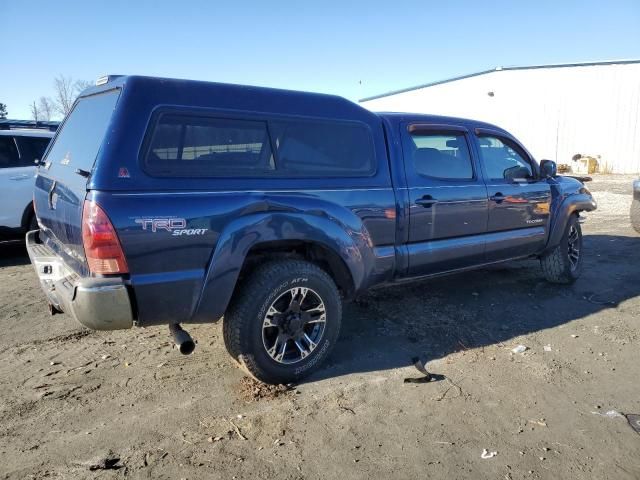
x,y
97,303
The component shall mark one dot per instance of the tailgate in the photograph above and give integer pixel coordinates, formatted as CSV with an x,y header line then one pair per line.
x,y
61,183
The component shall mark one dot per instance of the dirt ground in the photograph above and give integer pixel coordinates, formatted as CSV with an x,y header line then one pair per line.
x,y
82,404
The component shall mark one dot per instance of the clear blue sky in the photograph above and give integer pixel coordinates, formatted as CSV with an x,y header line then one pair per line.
x,y
324,46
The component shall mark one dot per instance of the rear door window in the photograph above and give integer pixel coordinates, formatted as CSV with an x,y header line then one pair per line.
x,y
209,147
8,152
444,156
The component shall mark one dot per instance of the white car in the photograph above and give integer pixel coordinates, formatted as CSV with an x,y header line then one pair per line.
x,y
19,149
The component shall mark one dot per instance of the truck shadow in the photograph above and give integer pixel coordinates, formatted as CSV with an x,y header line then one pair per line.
x,y
13,253
431,319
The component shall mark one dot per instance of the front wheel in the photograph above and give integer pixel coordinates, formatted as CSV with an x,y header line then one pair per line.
x,y
283,321
563,264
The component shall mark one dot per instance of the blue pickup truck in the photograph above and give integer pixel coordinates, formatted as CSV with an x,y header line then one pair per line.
x,y
168,202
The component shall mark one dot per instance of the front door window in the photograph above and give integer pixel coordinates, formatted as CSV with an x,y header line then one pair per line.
x,y
503,162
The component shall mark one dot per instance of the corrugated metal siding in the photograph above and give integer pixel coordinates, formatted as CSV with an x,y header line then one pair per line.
x,y
556,112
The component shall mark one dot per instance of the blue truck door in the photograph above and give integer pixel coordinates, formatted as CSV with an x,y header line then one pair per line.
x,y
519,199
447,199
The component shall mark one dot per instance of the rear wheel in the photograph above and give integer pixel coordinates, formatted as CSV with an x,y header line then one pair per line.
x,y
283,321
564,263
634,215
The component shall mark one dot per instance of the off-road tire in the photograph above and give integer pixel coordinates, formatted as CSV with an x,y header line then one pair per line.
x,y
634,215
243,321
556,266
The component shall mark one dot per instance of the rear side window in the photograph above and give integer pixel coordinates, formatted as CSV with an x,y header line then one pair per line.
x,y
195,146
443,156
318,149
31,148
209,147
8,152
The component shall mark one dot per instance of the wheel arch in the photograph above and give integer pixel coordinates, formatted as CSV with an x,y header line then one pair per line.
x,y
571,205
313,251
344,252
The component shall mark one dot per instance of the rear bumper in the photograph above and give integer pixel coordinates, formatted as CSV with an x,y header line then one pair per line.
x,y
97,303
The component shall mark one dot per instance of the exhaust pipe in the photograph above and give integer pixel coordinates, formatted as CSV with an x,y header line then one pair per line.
x,y
183,340
53,310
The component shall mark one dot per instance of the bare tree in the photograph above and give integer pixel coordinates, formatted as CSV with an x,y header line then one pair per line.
x,y
66,90
35,113
81,85
65,94
46,108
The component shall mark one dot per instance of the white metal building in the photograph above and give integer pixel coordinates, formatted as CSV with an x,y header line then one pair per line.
x,y
557,111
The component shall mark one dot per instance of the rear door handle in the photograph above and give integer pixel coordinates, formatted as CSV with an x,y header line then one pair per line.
x,y
426,201
498,197
19,177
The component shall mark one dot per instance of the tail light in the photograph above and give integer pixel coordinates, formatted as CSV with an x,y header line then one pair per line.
x,y
101,245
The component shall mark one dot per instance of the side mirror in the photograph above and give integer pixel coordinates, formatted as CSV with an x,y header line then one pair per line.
x,y
548,168
517,173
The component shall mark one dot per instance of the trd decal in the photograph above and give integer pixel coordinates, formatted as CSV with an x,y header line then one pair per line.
x,y
177,226
189,231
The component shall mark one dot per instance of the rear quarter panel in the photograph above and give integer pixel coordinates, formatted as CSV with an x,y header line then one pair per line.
x,y
191,277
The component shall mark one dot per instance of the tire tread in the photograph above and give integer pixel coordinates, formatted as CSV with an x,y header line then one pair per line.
x,y
555,264
240,312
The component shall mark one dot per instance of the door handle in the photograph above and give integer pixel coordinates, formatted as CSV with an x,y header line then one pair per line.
x,y
426,201
498,197
19,177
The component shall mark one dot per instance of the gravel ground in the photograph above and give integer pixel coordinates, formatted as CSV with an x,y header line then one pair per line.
x,y
79,404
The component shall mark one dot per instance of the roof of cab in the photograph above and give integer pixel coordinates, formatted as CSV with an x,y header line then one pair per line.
x,y
399,117
199,94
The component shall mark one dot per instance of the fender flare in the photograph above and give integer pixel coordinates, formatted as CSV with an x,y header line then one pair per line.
x,y
574,203
353,246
